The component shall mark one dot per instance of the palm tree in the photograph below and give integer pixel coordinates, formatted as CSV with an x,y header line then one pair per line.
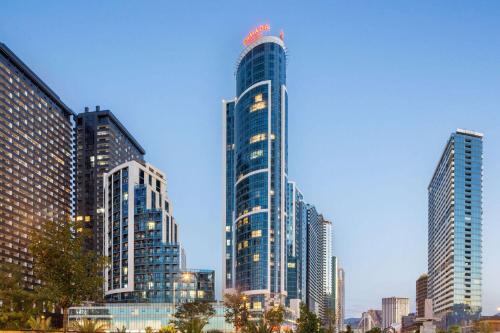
x,y
89,326
39,323
121,330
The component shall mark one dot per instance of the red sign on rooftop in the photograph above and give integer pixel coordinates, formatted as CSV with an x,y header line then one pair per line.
x,y
255,34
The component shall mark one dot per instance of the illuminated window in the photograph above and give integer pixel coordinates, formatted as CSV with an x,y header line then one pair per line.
x,y
257,305
259,103
245,244
273,136
79,218
201,294
258,137
256,233
87,218
291,265
228,228
228,242
151,225
256,257
256,154
125,195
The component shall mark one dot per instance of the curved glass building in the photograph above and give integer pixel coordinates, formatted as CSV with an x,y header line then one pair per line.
x,y
255,162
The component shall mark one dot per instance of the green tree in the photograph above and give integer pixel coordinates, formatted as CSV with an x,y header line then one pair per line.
x,y
375,330
236,310
123,329
331,321
18,303
88,326
39,323
308,322
274,317
259,326
167,329
69,275
192,317
454,329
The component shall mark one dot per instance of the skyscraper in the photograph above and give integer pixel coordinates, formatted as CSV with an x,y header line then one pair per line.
x,y
255,163
296,215
421,294
393,310
142,241
102,143
328,275
315,285
454,229
36,168
340,298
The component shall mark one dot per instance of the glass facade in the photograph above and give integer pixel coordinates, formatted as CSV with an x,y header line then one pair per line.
x,y
136,317
255,156
142,242
455,222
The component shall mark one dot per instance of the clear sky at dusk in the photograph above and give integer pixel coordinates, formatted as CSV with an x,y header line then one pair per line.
x,y
375,89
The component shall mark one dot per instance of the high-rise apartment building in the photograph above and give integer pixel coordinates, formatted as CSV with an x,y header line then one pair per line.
x,y
315,286
142,241
454,228
328,275
393,310
36,159
340,298
255,164
102,143
295,217
421,295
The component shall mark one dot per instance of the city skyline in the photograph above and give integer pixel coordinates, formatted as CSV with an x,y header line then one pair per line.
x,y
361,183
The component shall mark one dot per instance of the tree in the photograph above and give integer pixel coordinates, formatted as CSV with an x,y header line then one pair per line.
x,y
88,326
274,317
167,329
375,330
18,303
236,310
454,329
308,322
348,329
148,329
331,320
192,317
69,275
39,323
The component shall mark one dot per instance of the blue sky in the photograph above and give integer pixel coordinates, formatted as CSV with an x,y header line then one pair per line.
x,y
375,89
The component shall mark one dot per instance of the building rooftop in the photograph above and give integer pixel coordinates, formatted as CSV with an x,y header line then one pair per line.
x,y
23,68
108,113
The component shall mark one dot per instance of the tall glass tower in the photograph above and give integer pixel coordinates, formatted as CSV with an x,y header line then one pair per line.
x,y
255,163
455,218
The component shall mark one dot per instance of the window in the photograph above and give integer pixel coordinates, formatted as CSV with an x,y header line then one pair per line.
x,y
256,257
256,233
258,137
151,225
256,154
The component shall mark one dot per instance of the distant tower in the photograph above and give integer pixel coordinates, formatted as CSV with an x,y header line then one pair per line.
x,y
341,298
255,168
393,309
421,294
